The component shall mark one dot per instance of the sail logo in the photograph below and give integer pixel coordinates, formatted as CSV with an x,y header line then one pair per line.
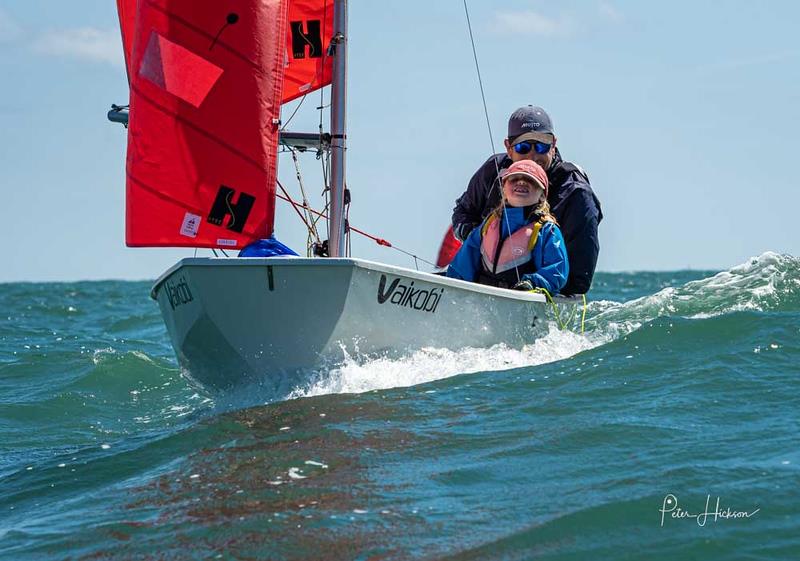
x,y
178,293
406,296
310,39
237,213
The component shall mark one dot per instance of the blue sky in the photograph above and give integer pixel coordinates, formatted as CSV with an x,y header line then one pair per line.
x,y
684,114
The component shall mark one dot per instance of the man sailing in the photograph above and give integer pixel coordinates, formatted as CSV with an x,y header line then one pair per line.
x,y
571,199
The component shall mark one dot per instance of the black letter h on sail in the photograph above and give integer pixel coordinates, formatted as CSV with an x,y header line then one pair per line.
x,y
301,40
223,207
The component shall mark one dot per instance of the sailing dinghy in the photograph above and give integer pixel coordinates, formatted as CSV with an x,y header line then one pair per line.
x,y
207,83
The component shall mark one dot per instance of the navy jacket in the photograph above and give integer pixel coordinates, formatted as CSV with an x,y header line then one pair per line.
x,y
572,202
549,256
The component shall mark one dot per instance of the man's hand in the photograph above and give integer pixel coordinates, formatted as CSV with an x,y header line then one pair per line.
x,y
524,285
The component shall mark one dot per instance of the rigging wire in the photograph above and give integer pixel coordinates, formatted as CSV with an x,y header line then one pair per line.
x,y
296,109
380,241
489,127
480,80
313,234
295,205
325,162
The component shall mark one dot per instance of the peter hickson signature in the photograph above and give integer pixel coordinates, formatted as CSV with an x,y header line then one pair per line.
x,y
670,506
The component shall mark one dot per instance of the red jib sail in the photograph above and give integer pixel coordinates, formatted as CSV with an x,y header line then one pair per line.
x,y
308,66
206,80
448,249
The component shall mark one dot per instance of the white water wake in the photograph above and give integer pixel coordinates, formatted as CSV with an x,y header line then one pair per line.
x,y
430,364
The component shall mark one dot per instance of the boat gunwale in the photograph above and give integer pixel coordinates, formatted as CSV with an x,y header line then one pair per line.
x,y
522,296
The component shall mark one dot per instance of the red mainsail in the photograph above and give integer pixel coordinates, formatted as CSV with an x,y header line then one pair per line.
x,y
309,29
127,25
206,81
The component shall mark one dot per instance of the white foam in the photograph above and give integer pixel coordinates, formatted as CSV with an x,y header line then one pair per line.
x,y
430,364
99,355
295,473
141,356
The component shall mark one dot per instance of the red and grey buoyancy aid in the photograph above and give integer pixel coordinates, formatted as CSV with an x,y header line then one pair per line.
x,y
504,261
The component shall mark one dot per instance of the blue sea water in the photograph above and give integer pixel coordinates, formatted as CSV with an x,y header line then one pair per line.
x,y
683,390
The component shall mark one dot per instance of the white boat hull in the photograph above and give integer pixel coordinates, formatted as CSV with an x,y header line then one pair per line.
x,y
233,322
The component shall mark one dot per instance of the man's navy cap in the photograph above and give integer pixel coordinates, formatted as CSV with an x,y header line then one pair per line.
x,y
532,121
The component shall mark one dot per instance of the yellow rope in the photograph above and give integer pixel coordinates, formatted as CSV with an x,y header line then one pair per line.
x,y
557,314
552,303
583,315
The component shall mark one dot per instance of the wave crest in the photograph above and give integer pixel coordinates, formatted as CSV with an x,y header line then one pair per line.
x,y
769,282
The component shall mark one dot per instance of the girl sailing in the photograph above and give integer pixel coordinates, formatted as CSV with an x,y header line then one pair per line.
x,y
519,245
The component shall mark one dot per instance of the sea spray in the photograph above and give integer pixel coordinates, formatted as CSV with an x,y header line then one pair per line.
x,y
356,375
